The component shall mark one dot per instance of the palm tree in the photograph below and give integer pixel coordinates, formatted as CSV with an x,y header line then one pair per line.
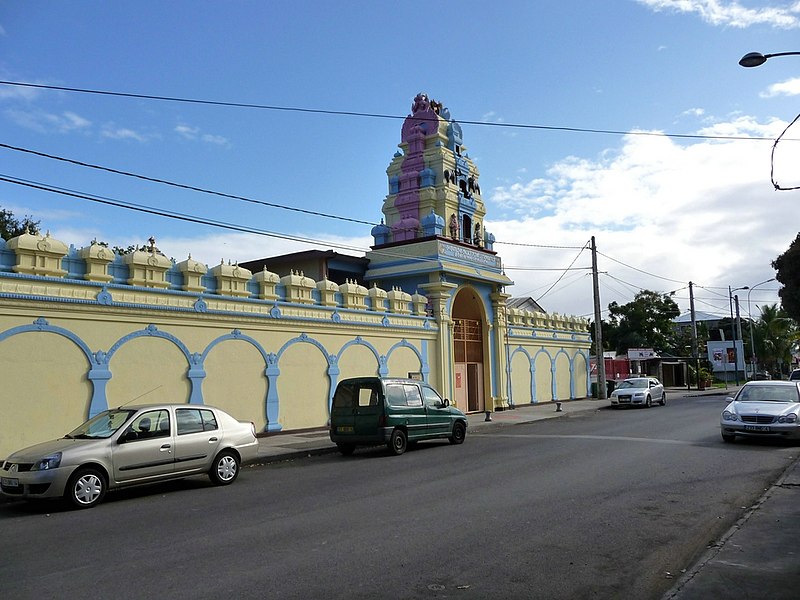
x,y
777,336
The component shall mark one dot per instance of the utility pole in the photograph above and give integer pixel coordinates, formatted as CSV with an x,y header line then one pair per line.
x,y
739,333
602,392
695,349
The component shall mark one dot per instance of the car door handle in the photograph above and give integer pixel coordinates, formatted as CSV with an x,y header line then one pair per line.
x,y
213,439
166,448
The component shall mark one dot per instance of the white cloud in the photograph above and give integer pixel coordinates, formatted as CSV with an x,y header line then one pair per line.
x,y
189,133
16,92
194,134
46,122
677,210
732,14
114,132
790,87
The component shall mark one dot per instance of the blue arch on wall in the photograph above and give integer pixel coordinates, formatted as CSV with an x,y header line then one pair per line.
x,y
273,371
555,369
98,401
531,368
423,364
149,331
197,372
546,352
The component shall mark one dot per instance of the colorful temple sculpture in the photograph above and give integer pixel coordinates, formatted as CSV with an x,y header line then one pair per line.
x,y
83,329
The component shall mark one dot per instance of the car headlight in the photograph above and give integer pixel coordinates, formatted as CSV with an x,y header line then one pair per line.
x,y
48,462
790,418
638,394
729,416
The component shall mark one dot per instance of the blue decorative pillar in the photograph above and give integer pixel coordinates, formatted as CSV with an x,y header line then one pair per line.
x,y
333,378
196,376
272,404
99,374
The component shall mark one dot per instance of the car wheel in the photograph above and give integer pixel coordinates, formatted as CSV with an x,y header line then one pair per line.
x,y
225,469
346,449
728,437
459,433
398,442
663,400
86,488
648,402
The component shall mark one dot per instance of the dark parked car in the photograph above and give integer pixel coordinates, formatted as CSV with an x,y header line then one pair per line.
x,y
375,410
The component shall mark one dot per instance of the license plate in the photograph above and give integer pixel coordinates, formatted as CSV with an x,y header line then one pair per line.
x,y
344,429
756,428
624,398
8,482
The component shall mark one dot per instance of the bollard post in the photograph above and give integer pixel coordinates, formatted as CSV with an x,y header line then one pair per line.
x,y
488,416
558,407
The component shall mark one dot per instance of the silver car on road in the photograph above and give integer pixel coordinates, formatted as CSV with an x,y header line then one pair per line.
x,y
639,391
131,446
763,409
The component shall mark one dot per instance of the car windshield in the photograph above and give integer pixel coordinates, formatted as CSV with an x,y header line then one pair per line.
x,y
101,426
768,393
633,383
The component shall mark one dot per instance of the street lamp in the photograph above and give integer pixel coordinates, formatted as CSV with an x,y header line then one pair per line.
x,y
753,358
755,59
733,329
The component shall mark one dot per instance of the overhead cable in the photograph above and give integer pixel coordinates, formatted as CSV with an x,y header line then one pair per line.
x,y
350,113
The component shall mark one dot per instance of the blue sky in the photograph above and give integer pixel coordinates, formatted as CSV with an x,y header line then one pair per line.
x,y
664,210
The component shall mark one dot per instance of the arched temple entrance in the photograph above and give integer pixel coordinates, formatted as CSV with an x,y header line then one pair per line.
x,y
469,333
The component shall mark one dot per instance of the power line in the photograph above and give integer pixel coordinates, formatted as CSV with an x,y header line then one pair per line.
x,y
182,185
350,113
639,270
555,283
227,195
200,220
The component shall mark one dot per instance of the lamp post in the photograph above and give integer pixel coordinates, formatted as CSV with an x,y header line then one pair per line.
x,y
755,59
733,330
753,357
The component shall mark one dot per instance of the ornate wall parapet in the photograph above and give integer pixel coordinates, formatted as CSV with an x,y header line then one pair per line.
x,y
327,292
353,295
148,268
399,301
38,254
299,288
97,258
193,272
267,282
232,280
419,304
377,298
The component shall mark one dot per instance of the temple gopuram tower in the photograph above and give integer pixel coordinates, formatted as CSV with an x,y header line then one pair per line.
x,y
433,241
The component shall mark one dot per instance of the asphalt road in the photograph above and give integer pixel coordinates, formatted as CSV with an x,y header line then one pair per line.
x,y
608,504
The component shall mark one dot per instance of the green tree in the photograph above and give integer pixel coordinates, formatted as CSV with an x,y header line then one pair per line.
x,y
787,272
646,322
777,335
12,227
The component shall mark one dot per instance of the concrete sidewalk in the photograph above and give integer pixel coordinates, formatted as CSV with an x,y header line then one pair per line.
x,y
759,557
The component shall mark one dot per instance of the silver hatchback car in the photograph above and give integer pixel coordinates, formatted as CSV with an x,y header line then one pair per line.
x,y
131,446
763,409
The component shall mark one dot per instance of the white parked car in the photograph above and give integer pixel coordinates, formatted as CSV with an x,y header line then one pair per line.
x,y
639,391
130,446
763,409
